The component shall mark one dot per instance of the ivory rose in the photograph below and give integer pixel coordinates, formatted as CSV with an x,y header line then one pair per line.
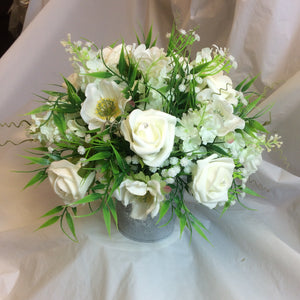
x,y
212,178
150,134
66,182
144,197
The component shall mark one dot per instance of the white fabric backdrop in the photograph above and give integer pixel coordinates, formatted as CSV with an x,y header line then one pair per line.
x,y
255,254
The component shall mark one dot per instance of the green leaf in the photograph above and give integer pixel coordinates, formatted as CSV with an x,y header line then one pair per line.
x,y
107,219
49,222
200,68
73,97
40,109
148,39
53,211
99,156
69,85
37,160
137,39
251,192
250,107
248,84
39,177
256,125
217,149
120,160
249,130
200,231
99,74
74,209
113,211
122,62
132,75
164,207
60,122
71,224
182,223
154,43
238,87
54,93
87,199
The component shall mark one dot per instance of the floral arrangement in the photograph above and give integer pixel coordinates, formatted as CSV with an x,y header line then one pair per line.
x,y
141,125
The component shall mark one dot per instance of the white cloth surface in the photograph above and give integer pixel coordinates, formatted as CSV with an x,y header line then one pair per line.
x,y
252,255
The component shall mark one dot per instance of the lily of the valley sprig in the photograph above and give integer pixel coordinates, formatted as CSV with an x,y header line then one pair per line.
x,y
143,125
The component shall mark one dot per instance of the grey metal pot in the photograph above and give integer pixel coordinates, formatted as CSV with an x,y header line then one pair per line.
x,y
143,230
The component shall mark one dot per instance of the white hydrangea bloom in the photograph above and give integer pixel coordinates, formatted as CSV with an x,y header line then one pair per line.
x,y
251,158
235,145
44,129
221,85
219,120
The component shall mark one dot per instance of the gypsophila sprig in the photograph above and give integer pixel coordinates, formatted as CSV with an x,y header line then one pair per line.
x,y
143,125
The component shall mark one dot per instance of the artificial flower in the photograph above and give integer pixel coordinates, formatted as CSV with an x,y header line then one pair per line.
x,y
104,102
145,198
150,134
67,184
212,179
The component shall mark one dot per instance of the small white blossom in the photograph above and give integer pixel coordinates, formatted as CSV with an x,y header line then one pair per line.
x,y
50,149
87,138
153,169
128,159
184,162
196,36
173,160
83,161
182,88
134,160
199,80
166,163
187,170
197,89
170,180
106,137
81,150
182,31
164,173
172,172
78,43
190,77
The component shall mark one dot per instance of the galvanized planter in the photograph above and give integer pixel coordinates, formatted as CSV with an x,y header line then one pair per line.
x,y
143,230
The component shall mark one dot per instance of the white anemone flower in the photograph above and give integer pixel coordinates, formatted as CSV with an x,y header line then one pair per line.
x,y
104,102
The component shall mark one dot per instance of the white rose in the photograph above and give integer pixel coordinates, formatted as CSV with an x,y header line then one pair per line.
x,y
144,197
150,134
66,182
211,180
